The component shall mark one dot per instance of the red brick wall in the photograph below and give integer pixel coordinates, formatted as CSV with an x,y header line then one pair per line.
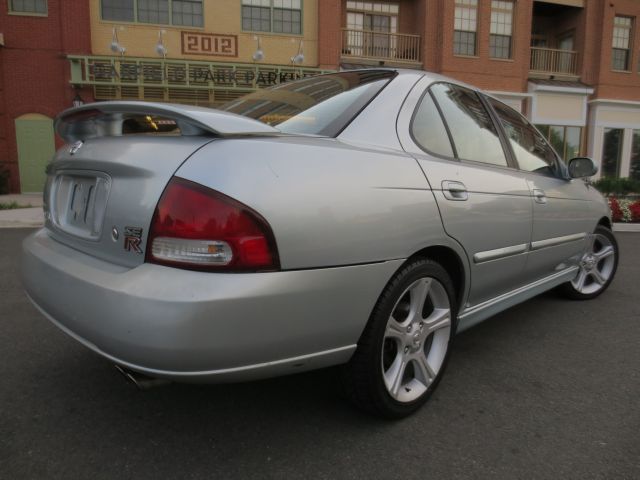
x,y
482,71
34,74
608,83
330,23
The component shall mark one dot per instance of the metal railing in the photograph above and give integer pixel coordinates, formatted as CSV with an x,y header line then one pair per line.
x,y
554,61
380,45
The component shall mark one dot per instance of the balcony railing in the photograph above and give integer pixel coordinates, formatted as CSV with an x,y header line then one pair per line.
x,y
553,61
380,45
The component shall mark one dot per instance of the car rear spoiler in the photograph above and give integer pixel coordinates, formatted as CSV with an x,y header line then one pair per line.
x,y
105,119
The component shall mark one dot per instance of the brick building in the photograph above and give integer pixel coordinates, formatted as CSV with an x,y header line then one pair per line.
x,y
35,37
571,66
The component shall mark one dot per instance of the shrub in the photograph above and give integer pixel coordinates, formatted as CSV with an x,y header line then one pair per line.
x,y
617,186
624,210
634,208
616,211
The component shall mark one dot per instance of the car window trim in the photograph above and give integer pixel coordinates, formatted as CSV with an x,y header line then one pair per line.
x,y
427,91
506,144
557,173
506,154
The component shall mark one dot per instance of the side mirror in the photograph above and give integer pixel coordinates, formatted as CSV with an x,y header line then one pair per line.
x,y
581,167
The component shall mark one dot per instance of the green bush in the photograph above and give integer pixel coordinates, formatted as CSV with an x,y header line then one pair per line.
x,y
4,181
617,186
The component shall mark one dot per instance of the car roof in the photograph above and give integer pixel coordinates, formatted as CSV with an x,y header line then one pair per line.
x,y
434,77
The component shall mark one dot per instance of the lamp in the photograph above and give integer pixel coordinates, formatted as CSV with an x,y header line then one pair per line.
x,y
258,55
299,57
160,48
115,44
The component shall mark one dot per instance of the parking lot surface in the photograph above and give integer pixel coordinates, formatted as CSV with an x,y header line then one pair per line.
x,y
548,389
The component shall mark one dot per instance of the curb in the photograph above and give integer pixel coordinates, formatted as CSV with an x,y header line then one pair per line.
x,y
626,227
22,218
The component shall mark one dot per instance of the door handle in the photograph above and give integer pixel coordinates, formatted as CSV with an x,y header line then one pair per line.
x,y
539,196
455,191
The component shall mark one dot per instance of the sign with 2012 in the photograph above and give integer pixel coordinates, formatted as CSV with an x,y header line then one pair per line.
x,y
196,43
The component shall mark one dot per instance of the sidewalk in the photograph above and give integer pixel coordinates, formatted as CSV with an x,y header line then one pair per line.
x,y
22,217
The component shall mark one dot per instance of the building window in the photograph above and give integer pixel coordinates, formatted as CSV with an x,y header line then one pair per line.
x,y
28,6
634,170
277,16
186,12
162,12
501,29
465,26
566,141
153,11
621,39
612,152
369,29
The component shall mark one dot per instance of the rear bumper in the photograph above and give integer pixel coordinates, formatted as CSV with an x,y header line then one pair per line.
x,y
195,326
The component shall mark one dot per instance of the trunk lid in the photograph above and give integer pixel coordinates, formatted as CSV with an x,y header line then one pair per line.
x,y
101,199
102,189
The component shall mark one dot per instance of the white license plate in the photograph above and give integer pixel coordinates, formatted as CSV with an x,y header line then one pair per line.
x,y
79,202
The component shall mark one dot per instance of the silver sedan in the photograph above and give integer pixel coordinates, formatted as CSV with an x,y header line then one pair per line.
x,y
358,218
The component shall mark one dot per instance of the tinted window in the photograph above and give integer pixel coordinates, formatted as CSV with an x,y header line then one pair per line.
x,y
474,135
321,105
532,151
428,130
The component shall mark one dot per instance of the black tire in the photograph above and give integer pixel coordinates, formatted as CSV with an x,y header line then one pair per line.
x,y
363,377
571,290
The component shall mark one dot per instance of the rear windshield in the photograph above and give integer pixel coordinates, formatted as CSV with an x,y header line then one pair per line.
x,y
321,105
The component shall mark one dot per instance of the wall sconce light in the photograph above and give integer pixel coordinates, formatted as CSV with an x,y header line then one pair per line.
x,y
160,47
258,55
115,44
299,57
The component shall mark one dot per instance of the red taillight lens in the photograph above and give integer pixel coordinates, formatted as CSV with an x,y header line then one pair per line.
x,y
198,228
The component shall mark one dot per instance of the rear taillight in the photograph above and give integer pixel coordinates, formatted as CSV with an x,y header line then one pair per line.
x,y
198,228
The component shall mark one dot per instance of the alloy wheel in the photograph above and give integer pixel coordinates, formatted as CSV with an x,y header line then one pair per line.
x,y
416,339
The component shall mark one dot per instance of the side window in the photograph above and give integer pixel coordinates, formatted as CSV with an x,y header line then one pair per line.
x,y
474,134
428,130
532,151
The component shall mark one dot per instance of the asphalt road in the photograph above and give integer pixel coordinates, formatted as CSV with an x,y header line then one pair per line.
x,y
548,389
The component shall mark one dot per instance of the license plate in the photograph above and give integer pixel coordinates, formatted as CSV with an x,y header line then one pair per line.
x,y
79,203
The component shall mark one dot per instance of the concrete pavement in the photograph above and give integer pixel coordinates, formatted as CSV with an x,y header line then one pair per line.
x,y
545,390
22,217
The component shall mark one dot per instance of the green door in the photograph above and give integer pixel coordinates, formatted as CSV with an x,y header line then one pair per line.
x,y
34,136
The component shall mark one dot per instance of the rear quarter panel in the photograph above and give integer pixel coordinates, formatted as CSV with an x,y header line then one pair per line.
x,y
328,202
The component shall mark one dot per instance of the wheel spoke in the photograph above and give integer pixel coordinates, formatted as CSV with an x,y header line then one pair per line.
x,y
604,253
419,294
394,329
598,277
439,318
580,280
424,372
393,377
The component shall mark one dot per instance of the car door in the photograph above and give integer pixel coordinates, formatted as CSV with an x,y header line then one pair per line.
x,y
561,206
484,202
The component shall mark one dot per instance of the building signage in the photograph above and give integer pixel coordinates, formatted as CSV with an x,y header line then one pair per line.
x,y
156,73
195,43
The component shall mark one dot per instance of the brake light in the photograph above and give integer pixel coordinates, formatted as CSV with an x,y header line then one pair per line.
x,y
195,227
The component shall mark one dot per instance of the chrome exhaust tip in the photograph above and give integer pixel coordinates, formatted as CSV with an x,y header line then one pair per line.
x,y
141,382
